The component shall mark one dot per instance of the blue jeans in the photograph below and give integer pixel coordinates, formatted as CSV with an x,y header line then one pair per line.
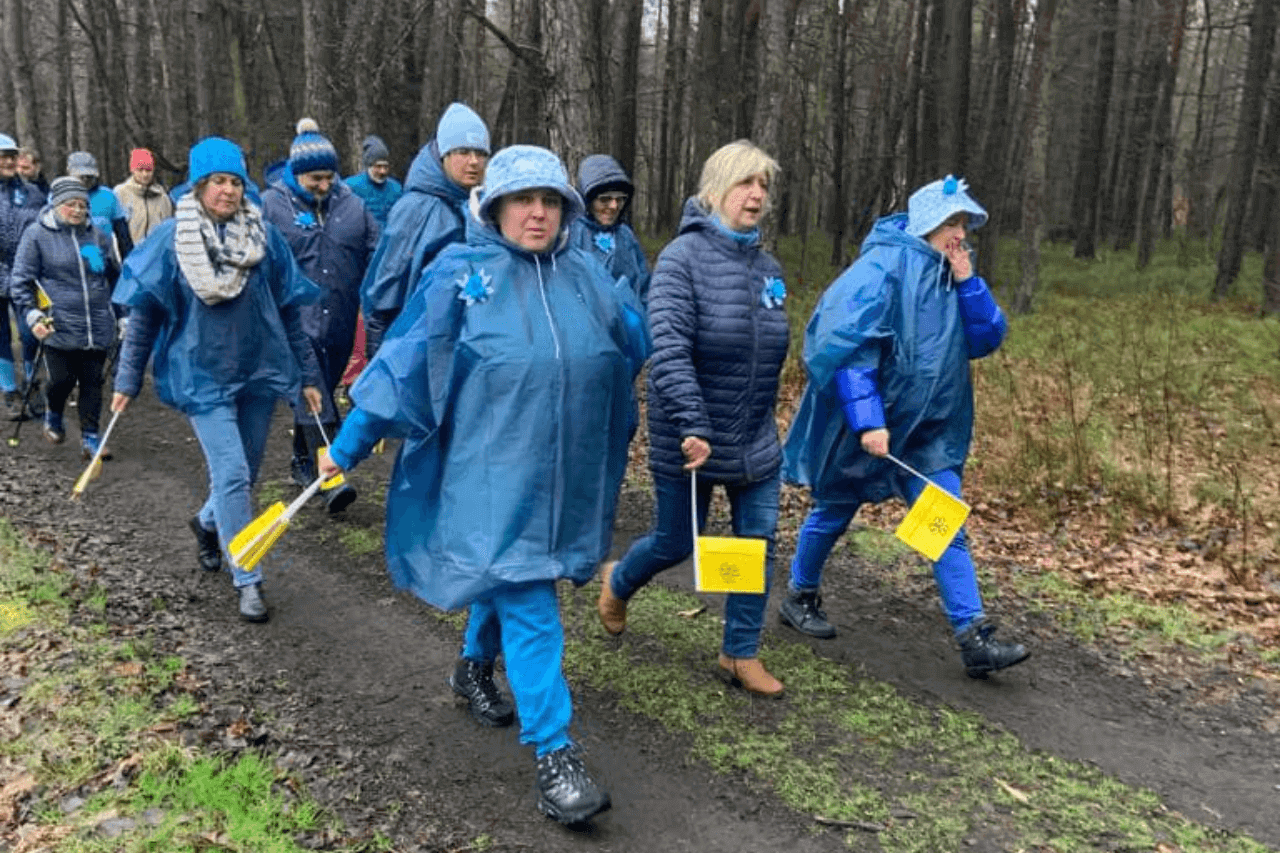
x,y
754,511
233,438
29,347
953,572
522,621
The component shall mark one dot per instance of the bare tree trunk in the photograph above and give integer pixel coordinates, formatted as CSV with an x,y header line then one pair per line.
x,y
1034,131
26,123
996,147
1093,134
626,85
841,20
314,61
673,108
953,106
1262,33
198,23
1171,20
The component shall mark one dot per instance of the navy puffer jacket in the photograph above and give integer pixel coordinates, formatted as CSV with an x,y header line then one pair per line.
x,y
719,341
60,256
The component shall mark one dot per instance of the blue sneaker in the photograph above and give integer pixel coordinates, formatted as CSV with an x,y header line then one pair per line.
x,y
89,446
53,428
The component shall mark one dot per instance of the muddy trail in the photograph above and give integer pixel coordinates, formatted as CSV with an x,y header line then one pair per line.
x,y
346,684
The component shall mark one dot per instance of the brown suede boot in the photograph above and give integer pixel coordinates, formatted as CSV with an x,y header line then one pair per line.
x,y
750,675
612,610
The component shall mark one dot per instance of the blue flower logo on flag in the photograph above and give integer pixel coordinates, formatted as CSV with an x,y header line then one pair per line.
x,y
477,287
604,242
774,293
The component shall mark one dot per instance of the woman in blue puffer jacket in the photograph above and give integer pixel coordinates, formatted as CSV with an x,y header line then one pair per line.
x,y
63,253
719,341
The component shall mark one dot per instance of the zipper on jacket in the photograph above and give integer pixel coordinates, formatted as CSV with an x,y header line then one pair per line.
x,y
557,486
84,286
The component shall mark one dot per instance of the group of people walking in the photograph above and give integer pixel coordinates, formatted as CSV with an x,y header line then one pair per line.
x,y
507,312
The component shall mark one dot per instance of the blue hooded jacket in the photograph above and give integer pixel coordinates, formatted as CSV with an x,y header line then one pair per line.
x,y
75,266
720,337
378,198
615,245
332,243
20,204
896,319
204,356
429,216
510,375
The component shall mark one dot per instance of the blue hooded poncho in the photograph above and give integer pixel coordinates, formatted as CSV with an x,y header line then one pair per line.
x,y
429,216
206,355
895,314
616,245
509,374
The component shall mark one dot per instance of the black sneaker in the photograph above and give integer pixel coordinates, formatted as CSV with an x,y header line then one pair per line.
x,y
473,681
336,500
301,470
983,654
253,607
210,553
567,793
803,611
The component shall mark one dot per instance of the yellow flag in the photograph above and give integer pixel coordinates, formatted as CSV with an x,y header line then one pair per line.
x,y
728,564
933,522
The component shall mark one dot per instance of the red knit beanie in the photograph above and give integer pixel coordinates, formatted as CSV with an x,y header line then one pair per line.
x,y
140,158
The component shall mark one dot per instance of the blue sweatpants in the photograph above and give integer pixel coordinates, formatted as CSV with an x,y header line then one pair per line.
x,y
954,573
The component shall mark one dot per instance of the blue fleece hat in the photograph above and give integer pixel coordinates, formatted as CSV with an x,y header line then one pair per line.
x,y
7,143
935,203
215,154
310,151
526,167
461,127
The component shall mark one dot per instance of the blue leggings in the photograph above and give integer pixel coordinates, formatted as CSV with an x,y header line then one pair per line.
x,y
953,572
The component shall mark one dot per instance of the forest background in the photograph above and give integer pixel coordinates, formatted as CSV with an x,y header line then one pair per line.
x,y
1109,123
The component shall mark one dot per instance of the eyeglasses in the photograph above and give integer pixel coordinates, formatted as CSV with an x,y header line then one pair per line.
x,y
612,198
75,205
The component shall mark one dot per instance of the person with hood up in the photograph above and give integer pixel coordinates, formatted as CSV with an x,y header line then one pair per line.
x,y
65,255
105,210
145,202
332,235
719,341
429,216
214,300
521,335
374,184
887,352
607,191
20,204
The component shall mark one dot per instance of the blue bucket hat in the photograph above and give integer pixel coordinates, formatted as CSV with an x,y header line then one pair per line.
x,y
935,203
215,154
526,167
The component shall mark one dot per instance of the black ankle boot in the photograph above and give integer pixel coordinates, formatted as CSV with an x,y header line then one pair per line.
x,y
567,793
803,611
473,681
983,654
207,542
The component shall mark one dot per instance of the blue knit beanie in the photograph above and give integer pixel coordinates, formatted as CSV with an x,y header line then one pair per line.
x,y
7,143
935,203
215,154
526,167
461,127
310,151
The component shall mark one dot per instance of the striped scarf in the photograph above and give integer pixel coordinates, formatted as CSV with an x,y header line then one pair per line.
x,y
216,266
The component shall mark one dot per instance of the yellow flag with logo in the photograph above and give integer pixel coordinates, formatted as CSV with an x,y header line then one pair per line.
x,y
933,521
724,563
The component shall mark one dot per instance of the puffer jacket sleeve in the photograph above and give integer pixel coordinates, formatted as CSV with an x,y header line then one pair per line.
x,y
984,323
673,322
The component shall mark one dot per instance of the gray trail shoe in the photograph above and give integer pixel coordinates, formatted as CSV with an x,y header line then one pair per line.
x,y
566,793
253,607
803,611
983,654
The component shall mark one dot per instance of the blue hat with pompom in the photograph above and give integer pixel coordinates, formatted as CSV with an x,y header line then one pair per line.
x,y
935,203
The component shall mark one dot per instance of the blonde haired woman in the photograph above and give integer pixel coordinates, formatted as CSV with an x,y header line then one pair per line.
x,y
719,341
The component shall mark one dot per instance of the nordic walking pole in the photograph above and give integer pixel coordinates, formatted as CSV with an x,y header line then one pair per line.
x,y
26,395
95,465
337,479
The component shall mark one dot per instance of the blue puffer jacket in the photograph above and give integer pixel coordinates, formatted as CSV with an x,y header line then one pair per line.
x,y
616,245
20,204
896,319
379,198
429,216
719,341
332,243
74,265
509,374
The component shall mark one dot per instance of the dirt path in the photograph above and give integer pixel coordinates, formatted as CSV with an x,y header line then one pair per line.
x,y
347,680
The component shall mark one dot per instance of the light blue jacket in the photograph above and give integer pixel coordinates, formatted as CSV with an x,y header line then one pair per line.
x,y
907,332
510,375
378,198
205,356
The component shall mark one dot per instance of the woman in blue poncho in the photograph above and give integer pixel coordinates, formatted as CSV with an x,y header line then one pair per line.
x,y
887,352
213,297
509,376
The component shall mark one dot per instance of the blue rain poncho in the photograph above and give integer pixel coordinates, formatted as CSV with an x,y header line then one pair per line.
x,y
896,315
615,245
510,376
205,356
